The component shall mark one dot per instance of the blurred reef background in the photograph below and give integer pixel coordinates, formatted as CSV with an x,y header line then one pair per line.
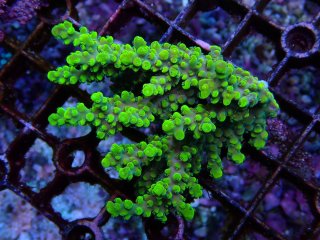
x,y
285,209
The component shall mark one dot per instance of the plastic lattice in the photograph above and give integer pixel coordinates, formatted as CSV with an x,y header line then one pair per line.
x,y
286,53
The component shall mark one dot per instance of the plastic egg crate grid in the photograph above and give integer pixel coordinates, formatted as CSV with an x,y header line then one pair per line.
x,y
297,46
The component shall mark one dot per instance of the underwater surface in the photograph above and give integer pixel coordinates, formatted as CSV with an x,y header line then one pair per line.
x,y
277,186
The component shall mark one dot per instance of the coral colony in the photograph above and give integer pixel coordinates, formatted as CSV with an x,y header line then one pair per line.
x,y
203,103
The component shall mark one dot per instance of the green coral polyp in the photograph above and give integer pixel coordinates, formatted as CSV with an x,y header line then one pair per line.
x,y
203,104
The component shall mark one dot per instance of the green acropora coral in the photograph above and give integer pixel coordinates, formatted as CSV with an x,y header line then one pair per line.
x,y
203,103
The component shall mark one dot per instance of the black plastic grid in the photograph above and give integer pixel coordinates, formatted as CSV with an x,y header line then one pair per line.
x,y
297,46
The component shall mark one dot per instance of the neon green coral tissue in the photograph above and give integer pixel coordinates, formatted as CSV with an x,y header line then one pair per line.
x,y
203,103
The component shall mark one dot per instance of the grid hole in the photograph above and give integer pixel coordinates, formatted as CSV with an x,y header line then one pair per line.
x,y
300,11
138,26
55,52
256,54
80,200
81,233
93,14
286,210
39,169
78,158
8,132
168,8
311,147
5,56
31,89
19,220
117,228
54,13
302,86
213,27
242,182
19,31
211,219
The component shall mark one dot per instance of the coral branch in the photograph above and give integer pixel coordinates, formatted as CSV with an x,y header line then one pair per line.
x,y
203,103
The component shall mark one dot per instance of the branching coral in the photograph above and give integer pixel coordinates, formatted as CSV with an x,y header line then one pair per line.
x,y
204,104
